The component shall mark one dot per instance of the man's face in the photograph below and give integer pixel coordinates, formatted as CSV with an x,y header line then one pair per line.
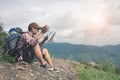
x,y
34,30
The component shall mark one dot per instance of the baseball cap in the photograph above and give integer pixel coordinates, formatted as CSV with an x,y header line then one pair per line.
x,y
34,25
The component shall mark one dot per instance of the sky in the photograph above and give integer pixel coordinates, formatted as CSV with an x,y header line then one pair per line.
x,y
90,22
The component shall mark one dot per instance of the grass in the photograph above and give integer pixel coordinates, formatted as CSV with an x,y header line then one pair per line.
x,y
6,58
89,73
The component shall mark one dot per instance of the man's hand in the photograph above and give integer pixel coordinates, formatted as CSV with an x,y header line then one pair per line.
x,y
45,29
46,37
20,59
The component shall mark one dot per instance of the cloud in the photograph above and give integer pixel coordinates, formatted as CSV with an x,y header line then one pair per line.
x,y
74,21
86,32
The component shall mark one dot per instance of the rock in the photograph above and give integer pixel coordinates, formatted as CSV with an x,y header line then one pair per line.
x,y
1,66
25,71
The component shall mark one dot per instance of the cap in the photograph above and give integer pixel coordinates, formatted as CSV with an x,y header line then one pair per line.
x,y
34,25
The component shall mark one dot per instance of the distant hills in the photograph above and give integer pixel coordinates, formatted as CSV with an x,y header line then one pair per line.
x,y
85,52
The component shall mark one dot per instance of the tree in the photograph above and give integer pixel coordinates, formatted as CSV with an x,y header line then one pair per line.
x,y
3,36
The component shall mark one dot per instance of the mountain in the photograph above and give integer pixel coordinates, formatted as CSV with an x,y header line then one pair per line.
x,y
85,52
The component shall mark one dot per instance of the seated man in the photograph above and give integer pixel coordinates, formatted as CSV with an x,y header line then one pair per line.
x,y
31,39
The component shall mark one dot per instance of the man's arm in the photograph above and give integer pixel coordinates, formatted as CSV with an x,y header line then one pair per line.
x,y
43,41
39,35
44,30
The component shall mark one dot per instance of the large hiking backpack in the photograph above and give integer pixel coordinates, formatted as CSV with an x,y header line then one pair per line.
x,y
10,45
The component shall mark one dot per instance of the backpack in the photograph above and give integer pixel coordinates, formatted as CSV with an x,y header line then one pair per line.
x,y
10,45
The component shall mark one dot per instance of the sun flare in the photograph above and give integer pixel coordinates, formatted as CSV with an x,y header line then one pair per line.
x,y
97,19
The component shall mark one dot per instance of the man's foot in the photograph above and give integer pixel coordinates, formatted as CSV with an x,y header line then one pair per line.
x,y
47,67
52,69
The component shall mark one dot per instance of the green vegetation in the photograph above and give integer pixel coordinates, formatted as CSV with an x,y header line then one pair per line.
x,y
93,74
3,38
6,59
98,72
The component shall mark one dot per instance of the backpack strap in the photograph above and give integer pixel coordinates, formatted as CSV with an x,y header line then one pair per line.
x,y
5,49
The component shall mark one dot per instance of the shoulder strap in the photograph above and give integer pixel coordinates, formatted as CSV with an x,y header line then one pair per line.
x,y
5,49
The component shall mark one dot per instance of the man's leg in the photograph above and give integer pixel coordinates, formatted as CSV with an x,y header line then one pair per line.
x,y
39,54
47,57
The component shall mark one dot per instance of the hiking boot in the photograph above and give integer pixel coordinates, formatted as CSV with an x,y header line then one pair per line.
x,y
52,69
45,66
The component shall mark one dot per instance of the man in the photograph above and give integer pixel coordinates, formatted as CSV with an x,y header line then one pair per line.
x,y
32,38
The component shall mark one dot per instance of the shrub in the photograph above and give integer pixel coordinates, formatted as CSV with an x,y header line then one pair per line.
x,y
108,67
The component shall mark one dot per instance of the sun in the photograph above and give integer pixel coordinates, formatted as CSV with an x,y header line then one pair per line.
x,y
97,19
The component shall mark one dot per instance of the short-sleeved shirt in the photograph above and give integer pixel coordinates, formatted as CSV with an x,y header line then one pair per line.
x,y
26,41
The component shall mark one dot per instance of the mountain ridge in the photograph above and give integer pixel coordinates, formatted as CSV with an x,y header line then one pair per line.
x,y
85,52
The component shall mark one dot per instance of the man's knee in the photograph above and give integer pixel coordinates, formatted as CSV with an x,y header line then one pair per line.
x,y
45,50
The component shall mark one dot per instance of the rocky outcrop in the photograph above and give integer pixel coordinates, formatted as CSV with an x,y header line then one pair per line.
x,y
25,71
